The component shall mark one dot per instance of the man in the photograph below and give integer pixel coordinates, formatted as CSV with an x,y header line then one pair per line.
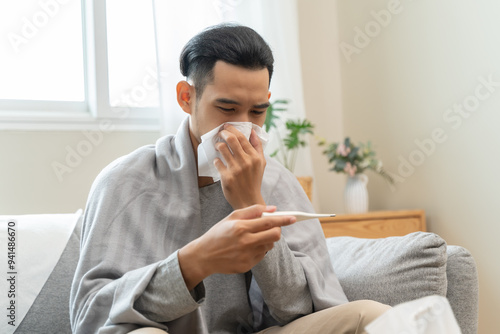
x,y
164,249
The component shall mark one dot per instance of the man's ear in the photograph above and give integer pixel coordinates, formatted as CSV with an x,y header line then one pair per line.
x,y
186,96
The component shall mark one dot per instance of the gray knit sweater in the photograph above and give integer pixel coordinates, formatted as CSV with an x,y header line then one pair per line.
x,y
144,207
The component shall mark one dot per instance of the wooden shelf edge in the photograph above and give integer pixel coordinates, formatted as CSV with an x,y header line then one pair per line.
x,y
375,215
371,224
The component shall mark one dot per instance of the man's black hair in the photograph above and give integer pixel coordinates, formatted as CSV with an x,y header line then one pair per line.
x,y
233,44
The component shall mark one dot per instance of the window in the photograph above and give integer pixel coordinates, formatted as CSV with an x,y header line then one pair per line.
x,y
131,53
71,64
33,54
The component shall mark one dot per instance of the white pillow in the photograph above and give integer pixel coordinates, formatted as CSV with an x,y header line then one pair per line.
x,y
36,243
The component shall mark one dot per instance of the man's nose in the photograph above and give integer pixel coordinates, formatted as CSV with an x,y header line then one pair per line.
x,y
242,118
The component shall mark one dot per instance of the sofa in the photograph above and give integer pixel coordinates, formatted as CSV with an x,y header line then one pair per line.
x,y
389,270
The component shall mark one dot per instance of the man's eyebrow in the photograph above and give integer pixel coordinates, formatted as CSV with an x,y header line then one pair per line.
x,y
262,106
229,101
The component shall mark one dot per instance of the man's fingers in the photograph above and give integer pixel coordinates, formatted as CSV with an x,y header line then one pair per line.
x,y
267,223
255,141
251,212
239,141
219,165
233,138
225,152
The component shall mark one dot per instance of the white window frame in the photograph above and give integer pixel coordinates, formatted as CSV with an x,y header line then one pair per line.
x,y
96,110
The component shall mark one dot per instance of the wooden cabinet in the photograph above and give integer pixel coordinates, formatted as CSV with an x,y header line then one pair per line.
x,y
377,224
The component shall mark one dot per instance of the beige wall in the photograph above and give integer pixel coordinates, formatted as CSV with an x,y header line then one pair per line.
x,y
397,91
29,182
322,94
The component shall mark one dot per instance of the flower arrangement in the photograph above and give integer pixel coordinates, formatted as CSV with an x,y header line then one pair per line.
x,y
352,159
294,138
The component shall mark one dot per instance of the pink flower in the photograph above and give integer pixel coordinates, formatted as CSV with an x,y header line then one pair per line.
x,y
343,150
350,169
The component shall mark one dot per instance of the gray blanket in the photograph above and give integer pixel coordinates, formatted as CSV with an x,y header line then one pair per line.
x,y
144,207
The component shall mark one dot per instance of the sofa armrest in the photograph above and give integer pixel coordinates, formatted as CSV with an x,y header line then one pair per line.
x,y
463,288
399,269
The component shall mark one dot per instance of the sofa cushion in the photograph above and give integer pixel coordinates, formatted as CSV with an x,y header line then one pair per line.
x,y
390,270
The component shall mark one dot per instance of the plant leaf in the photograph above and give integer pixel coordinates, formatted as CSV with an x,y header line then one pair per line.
x,y
272,116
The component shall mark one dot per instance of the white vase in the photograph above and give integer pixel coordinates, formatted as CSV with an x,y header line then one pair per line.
x,y
356,194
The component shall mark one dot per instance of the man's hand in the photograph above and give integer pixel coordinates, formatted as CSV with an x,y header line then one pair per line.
x,y
233,245
241,177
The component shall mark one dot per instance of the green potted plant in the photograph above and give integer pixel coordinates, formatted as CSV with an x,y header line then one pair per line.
x,y
353,160
289,143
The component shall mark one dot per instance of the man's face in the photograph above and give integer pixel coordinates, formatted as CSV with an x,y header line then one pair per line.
x,y
236,94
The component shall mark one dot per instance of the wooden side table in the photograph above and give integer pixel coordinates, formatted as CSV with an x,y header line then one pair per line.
x,y
377,224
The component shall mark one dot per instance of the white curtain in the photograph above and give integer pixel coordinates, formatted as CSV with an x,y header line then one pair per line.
x,y
276,20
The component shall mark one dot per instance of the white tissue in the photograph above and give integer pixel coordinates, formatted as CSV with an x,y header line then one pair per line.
x,y
207,152
427,315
